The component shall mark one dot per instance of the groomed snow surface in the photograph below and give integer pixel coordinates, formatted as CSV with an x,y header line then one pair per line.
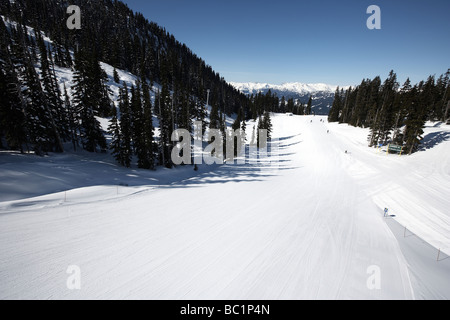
x,y
310,228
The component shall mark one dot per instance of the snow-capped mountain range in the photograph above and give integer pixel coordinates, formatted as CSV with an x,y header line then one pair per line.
x,y
323,94
293,87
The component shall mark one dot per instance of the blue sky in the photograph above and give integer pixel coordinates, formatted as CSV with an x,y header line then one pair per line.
x,y
309,41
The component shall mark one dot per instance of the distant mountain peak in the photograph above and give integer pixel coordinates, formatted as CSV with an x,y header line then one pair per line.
x,y
292,87
322,94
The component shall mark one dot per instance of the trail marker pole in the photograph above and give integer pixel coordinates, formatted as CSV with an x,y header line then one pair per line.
x,y
404,234
439,254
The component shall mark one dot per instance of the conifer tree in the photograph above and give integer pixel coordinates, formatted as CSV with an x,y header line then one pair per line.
x,y
254,140
88,99
260,127
185,121
445,93
116,141
224,130
165,122
309,107
126,152
198,105
138,127
72,119
116,76
385,118
3,103
336,107
403,101
282,105
98,85
244,124
267,122
214,118
414,123
149,160
42,133
38,117
12,105
52,96
290,105
373,102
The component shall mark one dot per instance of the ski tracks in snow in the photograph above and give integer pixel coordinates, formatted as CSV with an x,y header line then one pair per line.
x,y
301,230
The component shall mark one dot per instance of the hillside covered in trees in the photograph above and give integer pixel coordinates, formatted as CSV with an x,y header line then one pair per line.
x,y
36,114
395,114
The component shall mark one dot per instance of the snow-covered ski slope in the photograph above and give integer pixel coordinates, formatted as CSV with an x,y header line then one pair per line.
x,y
310,228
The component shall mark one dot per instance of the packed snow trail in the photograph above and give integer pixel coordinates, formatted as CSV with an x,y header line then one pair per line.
x,y
306,230
414,188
